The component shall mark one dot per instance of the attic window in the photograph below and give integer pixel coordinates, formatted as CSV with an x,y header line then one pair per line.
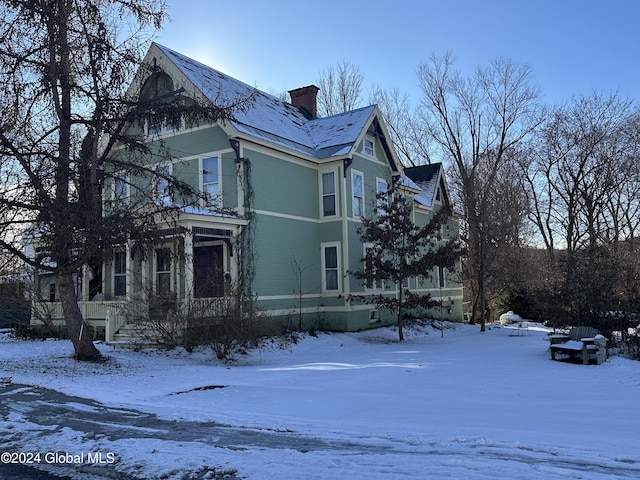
x,y
158,124
368,147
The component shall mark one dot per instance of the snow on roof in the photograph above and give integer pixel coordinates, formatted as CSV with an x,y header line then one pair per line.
x,y
425,177
272,119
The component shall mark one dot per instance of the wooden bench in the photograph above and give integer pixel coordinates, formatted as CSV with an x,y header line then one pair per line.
x,y
585,342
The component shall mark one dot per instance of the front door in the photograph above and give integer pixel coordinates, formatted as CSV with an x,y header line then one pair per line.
x,y
208,271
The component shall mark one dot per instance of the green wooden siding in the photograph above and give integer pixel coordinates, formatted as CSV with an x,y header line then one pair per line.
x,y
188,172
283,187
229,180
278,241
197,142
289,228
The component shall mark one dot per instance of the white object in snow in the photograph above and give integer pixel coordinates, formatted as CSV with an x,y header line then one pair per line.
x,y
510,317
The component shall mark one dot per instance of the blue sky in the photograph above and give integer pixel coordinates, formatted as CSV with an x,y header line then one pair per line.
x,y
574,46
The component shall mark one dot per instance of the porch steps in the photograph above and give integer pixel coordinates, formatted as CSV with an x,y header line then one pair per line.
x,y
130,336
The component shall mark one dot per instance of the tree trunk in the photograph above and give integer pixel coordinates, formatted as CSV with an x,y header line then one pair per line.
x,y
400,334
79,334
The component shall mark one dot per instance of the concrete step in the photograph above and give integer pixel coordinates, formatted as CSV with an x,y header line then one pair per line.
x,y
130,336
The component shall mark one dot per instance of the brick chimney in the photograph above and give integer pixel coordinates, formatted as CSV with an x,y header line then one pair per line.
x,y
305,99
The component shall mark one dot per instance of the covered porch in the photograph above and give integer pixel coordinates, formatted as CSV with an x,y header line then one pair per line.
x,y
192,265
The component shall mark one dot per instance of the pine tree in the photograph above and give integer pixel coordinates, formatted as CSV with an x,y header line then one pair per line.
x,y
402,250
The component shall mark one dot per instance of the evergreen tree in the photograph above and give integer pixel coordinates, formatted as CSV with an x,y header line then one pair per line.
x,y
402,250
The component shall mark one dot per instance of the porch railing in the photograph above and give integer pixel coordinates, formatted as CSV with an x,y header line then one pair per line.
x,y
90,310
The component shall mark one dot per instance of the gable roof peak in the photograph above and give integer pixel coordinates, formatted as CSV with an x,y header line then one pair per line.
x,y
272,120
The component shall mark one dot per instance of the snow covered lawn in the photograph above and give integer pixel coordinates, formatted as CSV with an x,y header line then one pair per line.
x,y
467,405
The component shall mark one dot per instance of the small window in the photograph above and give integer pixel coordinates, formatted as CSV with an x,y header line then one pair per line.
x,y
211,181
163,270
374,316
357,189
328,194
120,274
53,296
331,280
154,125
368,147
405,282
441,279
158,124
173,122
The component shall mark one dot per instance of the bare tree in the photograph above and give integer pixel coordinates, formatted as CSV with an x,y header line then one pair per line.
x,y
68,127
585,188
479,124
505,234
404,125
340,89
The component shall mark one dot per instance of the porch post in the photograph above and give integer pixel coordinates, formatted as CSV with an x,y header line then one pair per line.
x,y
144,275
234,260
129,269
85,283
188,266
108,326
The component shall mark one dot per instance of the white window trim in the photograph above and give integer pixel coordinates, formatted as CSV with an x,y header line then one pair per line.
x,y
365,149
324,246
355,173
322,195
378,285
156,272
125,274
218,201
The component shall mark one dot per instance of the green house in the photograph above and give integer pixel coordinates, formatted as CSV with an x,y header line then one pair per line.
x,y
286,191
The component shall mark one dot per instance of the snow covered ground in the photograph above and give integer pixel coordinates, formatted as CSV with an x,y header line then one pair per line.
x,y
350,406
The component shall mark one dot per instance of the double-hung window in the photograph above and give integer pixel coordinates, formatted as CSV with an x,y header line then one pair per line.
x,y
328,194
357,193
120,187
381,192
211,180
371,254
158,124
154,125
161,185
120,273
331,267
163,270
368,147
53,297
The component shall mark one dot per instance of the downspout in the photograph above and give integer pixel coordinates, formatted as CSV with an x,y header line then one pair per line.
x,y
235,145
345,232
244,258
